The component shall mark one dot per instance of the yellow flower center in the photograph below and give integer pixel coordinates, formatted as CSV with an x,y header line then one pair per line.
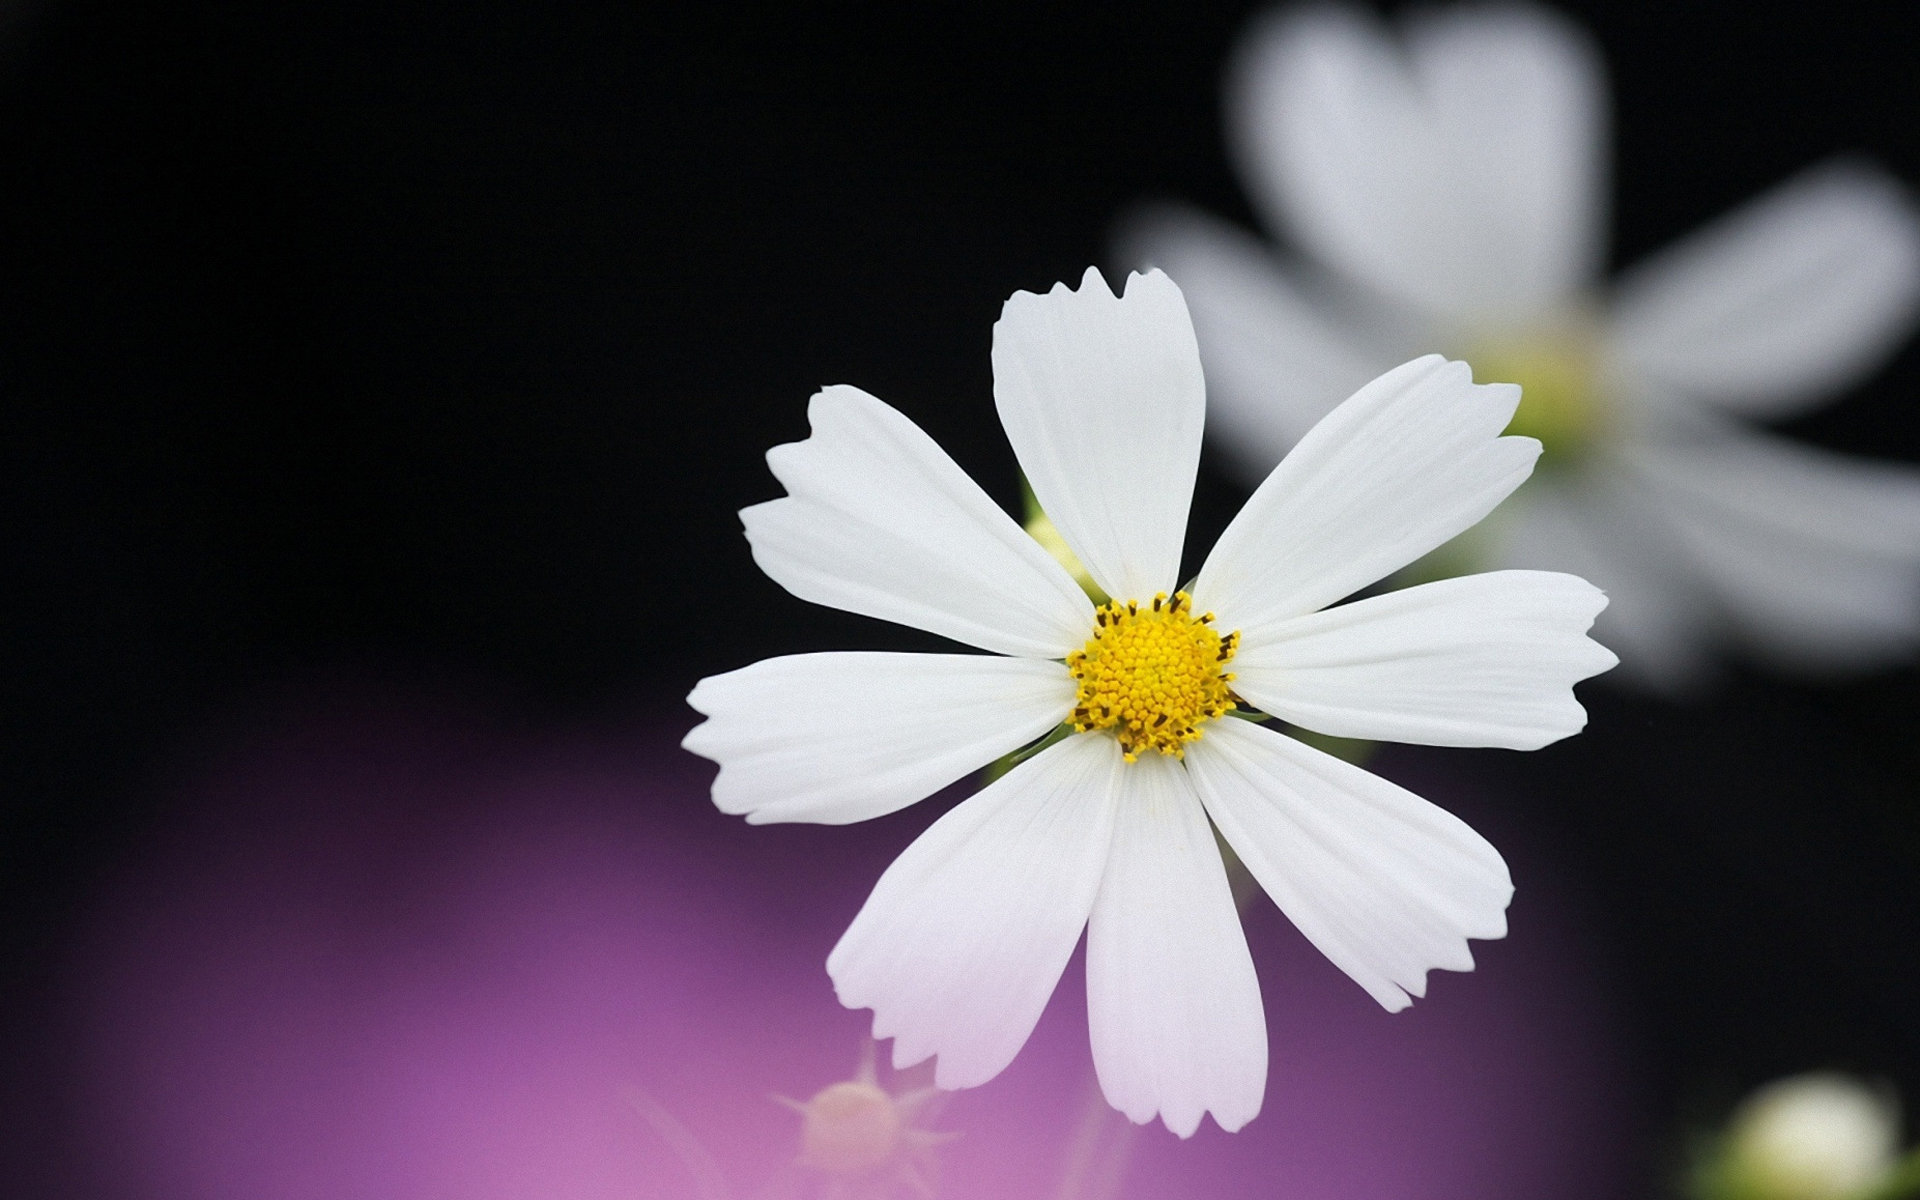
x,y
1152,674
1558,403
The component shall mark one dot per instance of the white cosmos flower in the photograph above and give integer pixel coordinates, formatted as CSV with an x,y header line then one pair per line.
x,y
1446,190
965,935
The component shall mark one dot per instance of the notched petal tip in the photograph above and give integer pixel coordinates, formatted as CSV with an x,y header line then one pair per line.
x,y
878,520
1386,885
706,738
1409,461
962,940
831,403
1508,392
1173,1002
839,737
698,741
1533,446
1585,602
1231,1122
1184,1121
1103,399
1152,279
1503,398
1093,284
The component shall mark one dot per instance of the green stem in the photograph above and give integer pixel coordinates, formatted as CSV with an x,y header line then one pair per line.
x,y
1000,766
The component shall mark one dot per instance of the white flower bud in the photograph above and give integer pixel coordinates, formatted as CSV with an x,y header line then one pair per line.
x,y
1818,1136
868,1141
850,1128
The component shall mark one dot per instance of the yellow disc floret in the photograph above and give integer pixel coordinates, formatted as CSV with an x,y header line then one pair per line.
x,y
1152,674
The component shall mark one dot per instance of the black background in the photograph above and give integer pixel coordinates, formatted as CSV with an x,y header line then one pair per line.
x,y
440,343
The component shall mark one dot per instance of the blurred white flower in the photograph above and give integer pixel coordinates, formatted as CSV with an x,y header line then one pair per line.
x,y
867,1141
1106,827
1446,191
1819,1136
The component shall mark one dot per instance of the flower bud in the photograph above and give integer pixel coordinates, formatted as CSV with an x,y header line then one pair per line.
x,y
850,1128
1819,1136
867,1141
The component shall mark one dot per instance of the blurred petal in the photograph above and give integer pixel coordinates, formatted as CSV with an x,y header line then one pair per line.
x,y
1782,302
1385,884
965,935
879,521
1484,660
1103,401
1275,361
1462,175
1601,526
1173,1005
1405,464
836,738
1815,555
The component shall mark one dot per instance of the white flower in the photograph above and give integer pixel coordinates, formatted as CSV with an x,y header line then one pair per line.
x,y
1447,190
965,935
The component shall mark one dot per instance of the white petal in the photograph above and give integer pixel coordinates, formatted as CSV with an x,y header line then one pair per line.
x,y
965,935
878,520
1814,555
1483,660
1103,401
1601,524
1275,359
1385,884
1463,176
1405,464
1173,1005
836,738
1783,301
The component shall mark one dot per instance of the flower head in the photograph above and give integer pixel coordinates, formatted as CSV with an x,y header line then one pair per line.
x,y
1110,827
1446,191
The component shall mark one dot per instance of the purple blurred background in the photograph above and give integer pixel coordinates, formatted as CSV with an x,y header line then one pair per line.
x,y
396,949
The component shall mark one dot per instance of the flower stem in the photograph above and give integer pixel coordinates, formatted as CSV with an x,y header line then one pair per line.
x,y
1096,1160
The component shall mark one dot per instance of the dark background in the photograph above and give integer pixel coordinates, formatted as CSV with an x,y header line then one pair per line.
x,y
436,345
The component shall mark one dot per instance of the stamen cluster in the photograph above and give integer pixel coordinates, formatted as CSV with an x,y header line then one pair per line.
x,y
1152,674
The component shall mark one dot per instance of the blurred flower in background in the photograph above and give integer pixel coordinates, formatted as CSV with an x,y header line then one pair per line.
x,y
864,1139
1819,1136
400,953
1445,190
